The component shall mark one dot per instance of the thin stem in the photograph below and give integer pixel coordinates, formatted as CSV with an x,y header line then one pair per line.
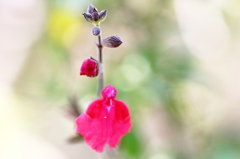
x,y
100,59
100,48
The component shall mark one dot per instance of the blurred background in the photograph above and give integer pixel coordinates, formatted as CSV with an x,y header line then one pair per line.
x,y
178,70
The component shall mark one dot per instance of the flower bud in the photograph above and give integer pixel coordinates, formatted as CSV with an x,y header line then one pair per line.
x,y
102,15
88,17
109,92
112,41
95,16
96,31
89,68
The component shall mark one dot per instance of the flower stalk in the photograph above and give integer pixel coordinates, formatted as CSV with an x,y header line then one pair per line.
x,y
100,59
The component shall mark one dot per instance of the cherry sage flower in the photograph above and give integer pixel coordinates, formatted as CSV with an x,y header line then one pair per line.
x,y
105,121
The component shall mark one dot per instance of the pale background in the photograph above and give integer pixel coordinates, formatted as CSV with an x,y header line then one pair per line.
x,y
178,70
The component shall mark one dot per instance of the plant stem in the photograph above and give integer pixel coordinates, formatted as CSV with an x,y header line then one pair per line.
x,y
100,59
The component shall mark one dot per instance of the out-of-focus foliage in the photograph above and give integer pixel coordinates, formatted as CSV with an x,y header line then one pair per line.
x,y
150,72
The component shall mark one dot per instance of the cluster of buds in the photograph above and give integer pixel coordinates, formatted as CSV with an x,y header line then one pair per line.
x,y
91,66
93,16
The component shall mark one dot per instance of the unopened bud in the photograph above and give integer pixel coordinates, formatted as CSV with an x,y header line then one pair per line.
x,y
96,31
102,15
109,92
95,16
90,68
88,17
112,41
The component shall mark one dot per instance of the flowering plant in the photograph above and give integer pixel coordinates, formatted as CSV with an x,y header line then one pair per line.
x,y
106,120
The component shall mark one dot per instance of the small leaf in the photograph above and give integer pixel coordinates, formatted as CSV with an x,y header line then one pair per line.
x,y
90,8
102,15
88,17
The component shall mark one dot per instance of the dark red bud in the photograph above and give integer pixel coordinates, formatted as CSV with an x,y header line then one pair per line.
x,y
95,10
95,16
112,41
96,31
89,68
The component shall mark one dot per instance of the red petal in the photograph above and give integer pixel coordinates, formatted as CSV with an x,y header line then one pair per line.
x,y
119,123
105,121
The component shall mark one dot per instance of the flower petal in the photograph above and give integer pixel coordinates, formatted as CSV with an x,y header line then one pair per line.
x,y
119,123
93,126
89,128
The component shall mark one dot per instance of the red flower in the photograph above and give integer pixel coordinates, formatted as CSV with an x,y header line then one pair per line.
x,y
106,121
89,68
